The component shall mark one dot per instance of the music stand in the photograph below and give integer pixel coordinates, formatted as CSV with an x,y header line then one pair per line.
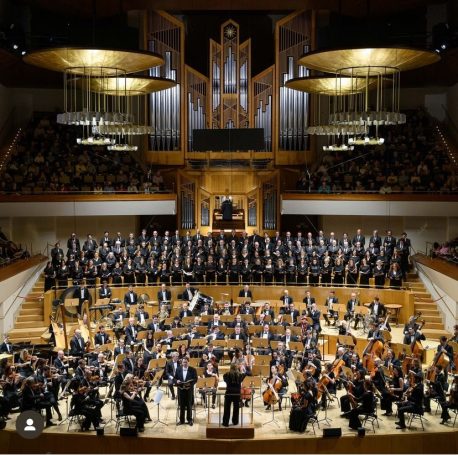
x,y
346,340
156,402
252,383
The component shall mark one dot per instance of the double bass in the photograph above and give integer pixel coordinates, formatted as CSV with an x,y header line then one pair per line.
x,y
373,349
441,358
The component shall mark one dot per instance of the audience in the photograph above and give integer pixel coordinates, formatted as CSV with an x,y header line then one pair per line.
x,y
47,159
412,159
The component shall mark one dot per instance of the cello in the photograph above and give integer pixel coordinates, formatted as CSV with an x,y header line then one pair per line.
x,y
373,349
441,358
270,395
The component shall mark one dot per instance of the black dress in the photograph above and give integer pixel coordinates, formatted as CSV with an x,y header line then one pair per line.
x,y
232,397
302,412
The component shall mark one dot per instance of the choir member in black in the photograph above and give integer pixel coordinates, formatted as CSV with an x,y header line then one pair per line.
x,y
395,276
199,271
210,270
303,407
325,272
379,275
176,272
128,272
364,273
352,273
338,272
302,270
140,272
314,272
393,392
152,271
33,399
116,274
280,272
221,272
185,378
233,380
245,272
413,401
133,403
50,276
257,271
366,405
63,273
234,271
269,272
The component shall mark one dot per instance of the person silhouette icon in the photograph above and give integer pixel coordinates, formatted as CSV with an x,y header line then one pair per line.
x,y
29,426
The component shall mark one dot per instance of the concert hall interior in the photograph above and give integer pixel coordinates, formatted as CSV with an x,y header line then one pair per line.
x,y
228,226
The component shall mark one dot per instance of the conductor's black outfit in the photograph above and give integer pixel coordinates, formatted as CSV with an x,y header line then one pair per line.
x,y
232,396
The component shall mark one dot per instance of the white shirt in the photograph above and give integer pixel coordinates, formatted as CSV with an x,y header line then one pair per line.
x,y
131,295
185,373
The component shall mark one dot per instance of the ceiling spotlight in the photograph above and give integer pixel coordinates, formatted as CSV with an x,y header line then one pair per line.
x,y
443,46
23,52
15,46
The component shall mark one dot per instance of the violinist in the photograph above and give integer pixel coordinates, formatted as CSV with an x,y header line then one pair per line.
x,y
355,390
278,362
26,364
81,404
303,409
276,384
366,406
392,392
139,373
49,384
61,365
452,402
133,403
11,385
101,369
33,399
412,401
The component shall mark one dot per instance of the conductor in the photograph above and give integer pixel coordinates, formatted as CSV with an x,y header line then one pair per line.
x,y
185,378
233,380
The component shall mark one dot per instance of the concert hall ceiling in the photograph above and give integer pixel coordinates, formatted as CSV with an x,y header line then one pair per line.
x,y
111,23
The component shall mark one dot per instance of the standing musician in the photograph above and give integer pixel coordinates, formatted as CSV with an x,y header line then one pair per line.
x,y
377,308
61,364
185,378
303,407
133,403
77,345
412,401
105,291
131,332
367,406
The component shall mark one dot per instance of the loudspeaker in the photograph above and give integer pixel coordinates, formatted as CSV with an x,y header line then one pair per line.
x,y
125,431
332,432
361,432
100,431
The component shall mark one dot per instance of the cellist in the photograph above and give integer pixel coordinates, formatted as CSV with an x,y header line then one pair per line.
x,y
274,392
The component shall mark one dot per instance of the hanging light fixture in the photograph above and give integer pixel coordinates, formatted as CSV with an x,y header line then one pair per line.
x,y
377,102
95,110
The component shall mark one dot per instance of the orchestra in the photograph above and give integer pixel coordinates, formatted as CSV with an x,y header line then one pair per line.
x,y
94,369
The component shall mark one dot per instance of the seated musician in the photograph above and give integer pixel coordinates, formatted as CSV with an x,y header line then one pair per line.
x,y
288,338
303,408
61,364
215,322
164,294
130,297
352,303
188,292
245,308
312,364
266,333
412,400
261,320
309,341
33,399
366,406
315,315
121,348
308,299
215,334
377,308
412,336
212,352
154,325
131,332
206,310
77,345
226,310
285,355
238,322
129,362
121,373
140,373
238,334
375,333
393,391
185,312
101,369
291,311
211,371
331,300
286,299
105,291
276,388
133,403
355,390
246,292
328,378
383,324
267,311
101,337
81,404
141,315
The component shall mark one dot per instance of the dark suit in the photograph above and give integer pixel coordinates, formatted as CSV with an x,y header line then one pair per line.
x,y
160,296
138,317
188,294
381,311
6,347
416,337
105,293
77,347
170,370
288,299
117,351
131,334
130,298
247,294
82,294
242,336
186,395
129,364
98,339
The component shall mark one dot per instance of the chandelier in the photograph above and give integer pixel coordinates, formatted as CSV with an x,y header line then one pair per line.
x,y
99,91
362,89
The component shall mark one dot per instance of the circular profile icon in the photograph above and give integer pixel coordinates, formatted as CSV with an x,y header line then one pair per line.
x,y
29,424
